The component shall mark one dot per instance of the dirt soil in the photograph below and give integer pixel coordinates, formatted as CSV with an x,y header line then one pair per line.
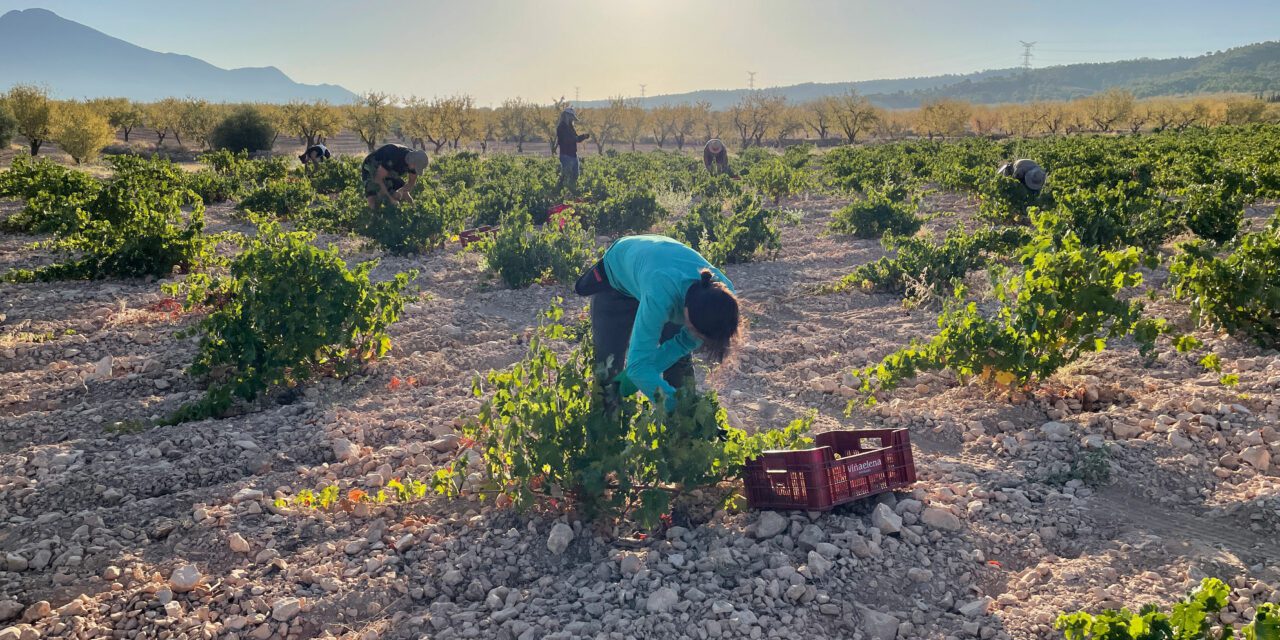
x,y
172,532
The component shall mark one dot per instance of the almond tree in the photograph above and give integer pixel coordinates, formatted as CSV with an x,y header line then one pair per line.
x,y
121,113
311,122
633,123
1106,109
196,118
164,117
32,109
662,123
686,122
371,117
605,123
943,117
854,114
80,130
548,119
754,115
818,115
517,121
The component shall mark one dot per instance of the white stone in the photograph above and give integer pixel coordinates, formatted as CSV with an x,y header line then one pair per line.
x,y
884,519
976,608
559,538
662,600
818,564
185,578
345,450
1056,431
285,609
1258,457
877,625
770,524
238,543
941,519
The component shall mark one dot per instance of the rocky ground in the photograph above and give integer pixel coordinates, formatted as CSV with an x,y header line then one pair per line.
x,y
1119,482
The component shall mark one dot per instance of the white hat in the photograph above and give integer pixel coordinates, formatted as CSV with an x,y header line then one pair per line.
x,y
417,159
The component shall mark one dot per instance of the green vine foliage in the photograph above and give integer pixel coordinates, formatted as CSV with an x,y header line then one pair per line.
x,y
1239,292
549,428
130,231
880,212
1192,618
335,174
1063,304
777,178
521,254
286,198
286,312
418,226
937,266
1123,214
746,234
633,210
53,195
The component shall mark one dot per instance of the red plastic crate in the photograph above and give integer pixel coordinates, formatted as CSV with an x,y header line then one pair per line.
x,y
471,235
845,466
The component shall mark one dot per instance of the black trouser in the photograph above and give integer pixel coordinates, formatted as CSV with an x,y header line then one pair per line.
x,y
613,314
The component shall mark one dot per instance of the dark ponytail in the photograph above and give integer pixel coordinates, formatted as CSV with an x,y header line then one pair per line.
x,y
713,312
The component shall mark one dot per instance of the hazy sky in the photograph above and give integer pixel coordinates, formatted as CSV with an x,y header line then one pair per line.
x,y
543,49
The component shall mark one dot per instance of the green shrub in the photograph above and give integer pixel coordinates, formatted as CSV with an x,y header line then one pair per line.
x,y
1193,618
635,210
711,186
246,128
522,255
212,186
749,233
287,311
1214,210
778,178
876,214
1110,216
339,213
336,174
508,183
1062,305
939,267
549,428
416,226
286,198
53,195
1239,292
130,234
8,126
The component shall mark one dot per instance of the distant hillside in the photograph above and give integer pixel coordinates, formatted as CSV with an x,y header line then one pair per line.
x,y
74,61
1248,69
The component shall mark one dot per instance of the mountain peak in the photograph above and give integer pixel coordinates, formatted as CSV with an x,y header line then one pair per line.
x,y
77,61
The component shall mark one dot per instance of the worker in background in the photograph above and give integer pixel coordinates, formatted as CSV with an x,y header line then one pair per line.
x,y
567,139
1025,171
715,157
391,172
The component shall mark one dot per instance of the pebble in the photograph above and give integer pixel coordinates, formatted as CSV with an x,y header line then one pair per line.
x,y
559,538
238,543
770,524
185,578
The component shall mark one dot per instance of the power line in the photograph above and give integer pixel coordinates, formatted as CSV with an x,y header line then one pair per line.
x,y
577,94
642,86
751,80
1026,54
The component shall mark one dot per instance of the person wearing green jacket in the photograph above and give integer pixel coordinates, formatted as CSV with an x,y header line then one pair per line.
x,y
654,301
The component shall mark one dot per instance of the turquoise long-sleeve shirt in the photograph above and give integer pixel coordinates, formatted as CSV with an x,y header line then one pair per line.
x,y
657,271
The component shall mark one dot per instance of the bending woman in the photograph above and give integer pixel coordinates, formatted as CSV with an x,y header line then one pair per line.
x,y
653,302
